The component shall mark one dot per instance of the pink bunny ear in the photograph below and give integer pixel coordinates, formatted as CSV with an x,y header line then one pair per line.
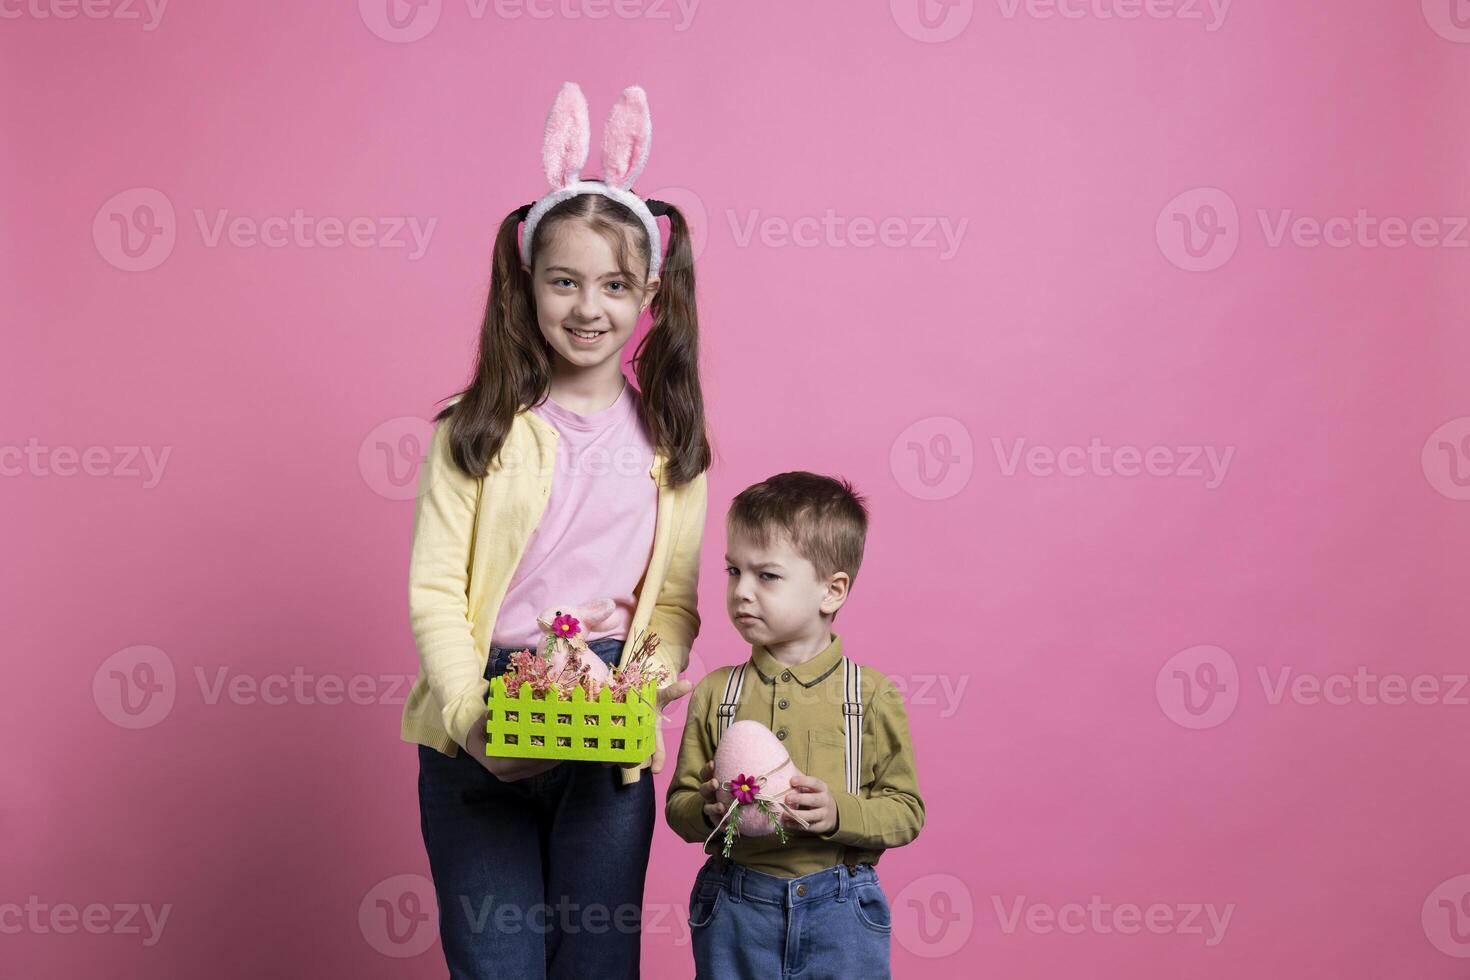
x,y
597,611
625,138
568,135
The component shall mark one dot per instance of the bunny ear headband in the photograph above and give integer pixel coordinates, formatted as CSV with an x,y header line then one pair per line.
x,y
625,140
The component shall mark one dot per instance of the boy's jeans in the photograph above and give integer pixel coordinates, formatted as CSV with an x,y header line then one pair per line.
x,y
539,877
830,923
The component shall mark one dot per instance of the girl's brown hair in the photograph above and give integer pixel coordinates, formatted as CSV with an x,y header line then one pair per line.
x,y
513,367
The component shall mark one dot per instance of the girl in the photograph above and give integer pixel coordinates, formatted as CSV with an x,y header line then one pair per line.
x,y
551,479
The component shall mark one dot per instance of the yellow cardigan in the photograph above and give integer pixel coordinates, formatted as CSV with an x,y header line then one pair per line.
x,y
468,537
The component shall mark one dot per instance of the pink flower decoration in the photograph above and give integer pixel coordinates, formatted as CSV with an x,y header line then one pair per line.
x,y
743,788
565,625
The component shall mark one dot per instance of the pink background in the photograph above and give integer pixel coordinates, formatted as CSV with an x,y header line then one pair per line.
x,y
1064,615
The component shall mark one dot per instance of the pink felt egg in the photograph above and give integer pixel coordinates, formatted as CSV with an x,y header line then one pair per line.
x,y
749,748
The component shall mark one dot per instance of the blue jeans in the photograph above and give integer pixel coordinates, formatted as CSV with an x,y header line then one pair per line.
x,y
830,923
540,877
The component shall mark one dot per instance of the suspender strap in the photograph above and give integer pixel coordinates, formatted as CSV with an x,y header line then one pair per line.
x,y
852,723
852,716
730,703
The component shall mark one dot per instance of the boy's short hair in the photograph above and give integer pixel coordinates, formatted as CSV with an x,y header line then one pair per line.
x,y
825,519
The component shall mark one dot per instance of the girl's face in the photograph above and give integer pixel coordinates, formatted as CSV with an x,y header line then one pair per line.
x,y
586,307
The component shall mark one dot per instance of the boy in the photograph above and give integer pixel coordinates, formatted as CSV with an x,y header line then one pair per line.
x,y
812,906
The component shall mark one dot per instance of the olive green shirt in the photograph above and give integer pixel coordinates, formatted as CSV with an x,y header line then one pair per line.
x,y
803,706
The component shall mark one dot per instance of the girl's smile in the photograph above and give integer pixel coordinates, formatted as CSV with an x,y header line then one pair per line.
x,y
589,338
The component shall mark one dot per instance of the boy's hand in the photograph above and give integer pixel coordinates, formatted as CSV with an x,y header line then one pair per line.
x,y
809,795
713,808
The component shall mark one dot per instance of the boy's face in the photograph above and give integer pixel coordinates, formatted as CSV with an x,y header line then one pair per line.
x,y
773,594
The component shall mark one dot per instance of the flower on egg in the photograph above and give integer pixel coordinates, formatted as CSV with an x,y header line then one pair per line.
x,y
743,788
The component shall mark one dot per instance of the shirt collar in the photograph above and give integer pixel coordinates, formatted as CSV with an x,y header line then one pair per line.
x,y
809,673
660,458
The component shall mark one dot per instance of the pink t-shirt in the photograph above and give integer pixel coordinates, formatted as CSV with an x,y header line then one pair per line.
x,y
596,535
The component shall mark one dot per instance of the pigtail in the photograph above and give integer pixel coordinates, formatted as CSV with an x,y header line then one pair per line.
x,y
511,366
666,362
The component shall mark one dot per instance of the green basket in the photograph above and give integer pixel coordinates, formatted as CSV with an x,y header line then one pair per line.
x,y
570,728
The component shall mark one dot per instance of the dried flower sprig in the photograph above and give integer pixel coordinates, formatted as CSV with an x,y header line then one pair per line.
x,y
640,668
536,669
744,789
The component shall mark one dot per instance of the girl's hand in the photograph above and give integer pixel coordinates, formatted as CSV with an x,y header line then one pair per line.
x,y
666,695
510,770
504,769
809,795
671,692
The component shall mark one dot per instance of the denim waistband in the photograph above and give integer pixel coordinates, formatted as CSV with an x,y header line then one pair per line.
x,y
597,646
608,649
747,883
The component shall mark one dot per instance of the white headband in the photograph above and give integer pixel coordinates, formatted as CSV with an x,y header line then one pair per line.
x,y
626,137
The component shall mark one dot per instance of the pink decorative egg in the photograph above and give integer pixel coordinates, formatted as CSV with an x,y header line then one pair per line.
x,y
749,748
